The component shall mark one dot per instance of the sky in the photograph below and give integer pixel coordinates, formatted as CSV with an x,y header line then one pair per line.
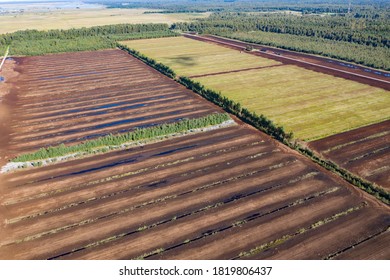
x,y
16,1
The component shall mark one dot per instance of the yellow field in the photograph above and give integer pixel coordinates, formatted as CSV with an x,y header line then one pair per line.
x,y
189,57
66,19
311,104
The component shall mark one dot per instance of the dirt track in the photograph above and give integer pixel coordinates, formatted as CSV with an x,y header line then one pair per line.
x,y
365,151
193,196
315,63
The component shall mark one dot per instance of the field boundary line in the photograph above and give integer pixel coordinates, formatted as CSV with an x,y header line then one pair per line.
x,y
234,71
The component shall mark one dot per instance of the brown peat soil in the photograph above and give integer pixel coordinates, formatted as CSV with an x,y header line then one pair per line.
x,y
229,193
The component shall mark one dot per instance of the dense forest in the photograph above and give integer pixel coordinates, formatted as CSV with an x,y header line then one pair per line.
x,y
196,6
364,40
33,42
364,31
377,57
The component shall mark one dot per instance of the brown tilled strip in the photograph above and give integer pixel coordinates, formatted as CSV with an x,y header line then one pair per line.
x,y
85,82
165,198
51,77
265,246
29,91
375,247
252,191
209,162
39,214
131,99
370,137
323,240
59,63
86,85
348,136
260,228
83,97
229,190
55,75
100,77
380,150
104,251
336,254
97,115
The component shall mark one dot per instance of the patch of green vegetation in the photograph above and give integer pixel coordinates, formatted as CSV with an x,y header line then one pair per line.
x,y
45,46
116,140
33,42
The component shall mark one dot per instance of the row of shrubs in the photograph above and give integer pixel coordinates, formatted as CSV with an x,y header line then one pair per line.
x,y
34,42
117,140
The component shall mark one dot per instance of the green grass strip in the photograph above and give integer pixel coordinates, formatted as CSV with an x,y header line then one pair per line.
x,y
119,139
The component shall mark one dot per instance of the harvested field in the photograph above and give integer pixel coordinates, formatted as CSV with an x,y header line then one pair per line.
x,y
365,151
189,57
222,194
312,105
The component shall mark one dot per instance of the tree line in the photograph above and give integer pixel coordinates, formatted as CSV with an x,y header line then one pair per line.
x,y
365,7
34,42
360,54
369,32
